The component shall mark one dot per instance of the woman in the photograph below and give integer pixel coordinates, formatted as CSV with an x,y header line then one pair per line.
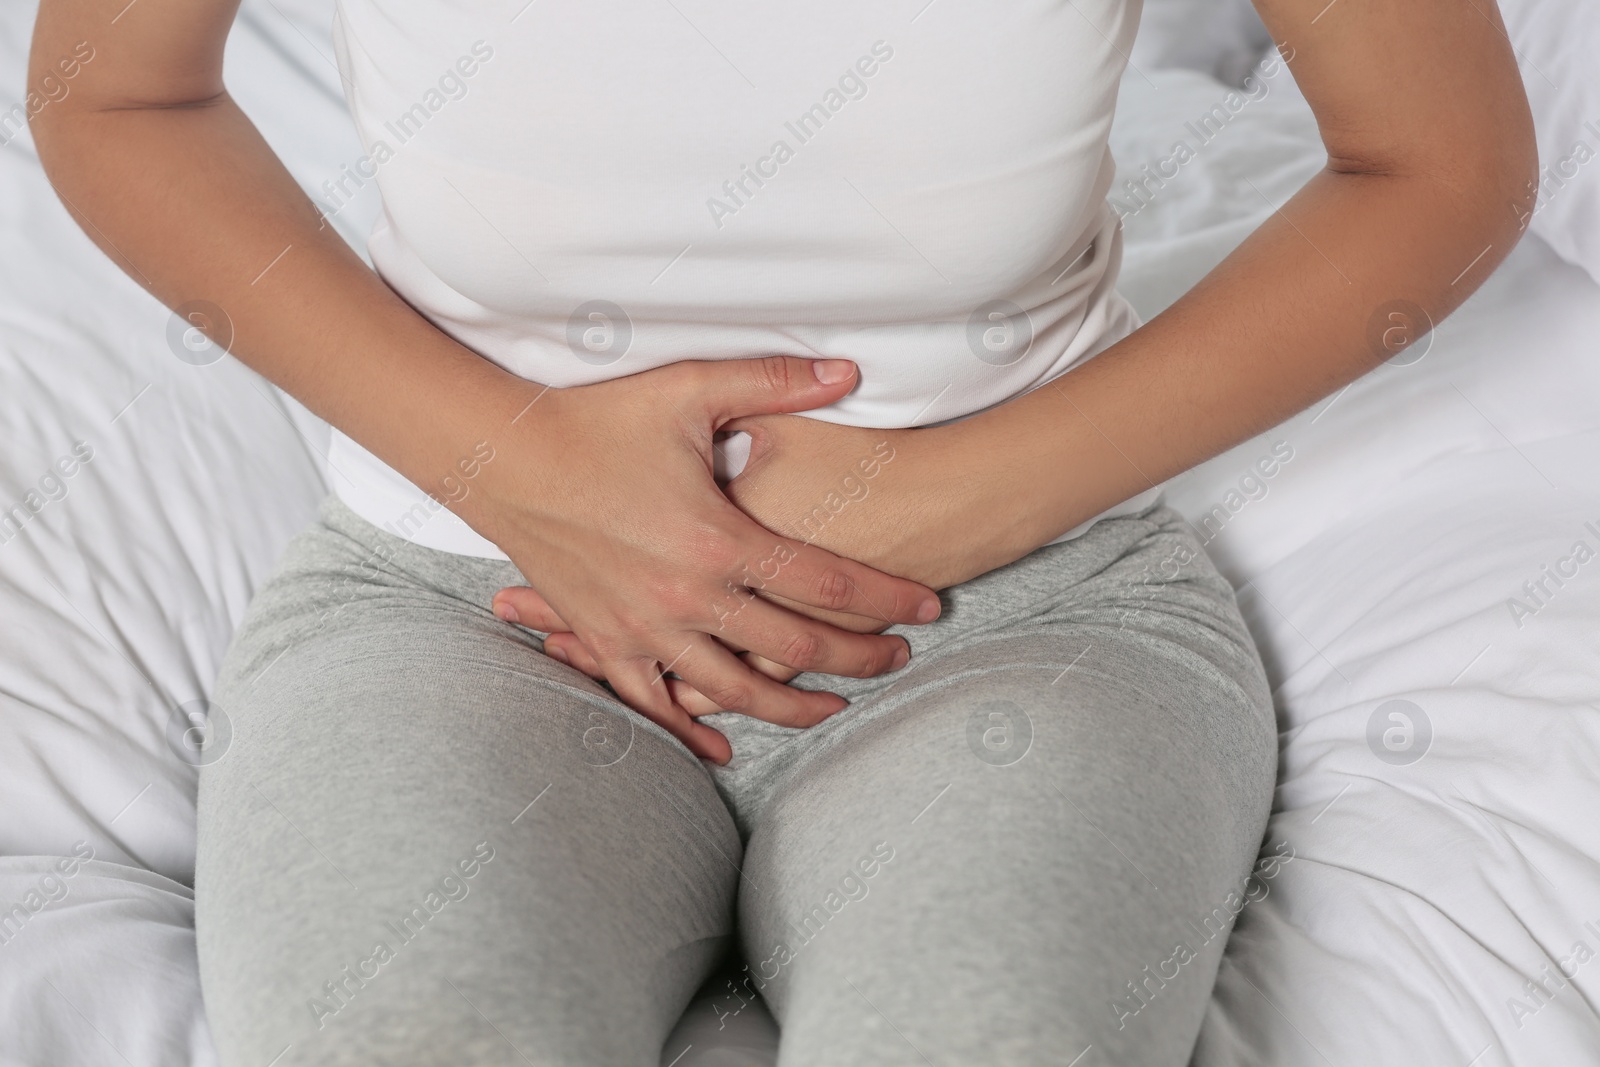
x,y
546,717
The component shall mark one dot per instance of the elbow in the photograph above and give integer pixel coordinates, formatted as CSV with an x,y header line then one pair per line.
x,y
1521,176
1497,189
1486,192
1502,188
1497,178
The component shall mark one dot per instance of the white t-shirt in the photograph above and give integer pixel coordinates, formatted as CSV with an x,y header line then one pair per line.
x,y
580,190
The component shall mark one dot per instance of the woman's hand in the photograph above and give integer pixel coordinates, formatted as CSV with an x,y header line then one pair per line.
x,y
906,502
610,508
909,502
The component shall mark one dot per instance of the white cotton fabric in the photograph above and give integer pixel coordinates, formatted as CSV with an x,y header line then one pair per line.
x,y
583,191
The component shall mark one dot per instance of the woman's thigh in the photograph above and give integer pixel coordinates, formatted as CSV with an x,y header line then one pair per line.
x,y
1021,848
428,843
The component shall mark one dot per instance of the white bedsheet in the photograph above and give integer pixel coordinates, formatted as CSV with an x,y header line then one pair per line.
x,y
1375,564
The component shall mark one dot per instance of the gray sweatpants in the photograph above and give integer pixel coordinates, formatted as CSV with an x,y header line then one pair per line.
x,y
428,843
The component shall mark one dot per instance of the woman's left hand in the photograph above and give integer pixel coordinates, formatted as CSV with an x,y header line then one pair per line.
x,y
911,502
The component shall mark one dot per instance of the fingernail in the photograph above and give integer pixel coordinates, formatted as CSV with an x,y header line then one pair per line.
x,y
832,371
929,610
505,611
901,658
557,655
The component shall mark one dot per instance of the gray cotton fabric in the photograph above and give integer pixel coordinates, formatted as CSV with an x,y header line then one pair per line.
x,y
429,843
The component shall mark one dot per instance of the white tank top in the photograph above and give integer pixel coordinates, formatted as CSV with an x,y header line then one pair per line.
x,y
584,189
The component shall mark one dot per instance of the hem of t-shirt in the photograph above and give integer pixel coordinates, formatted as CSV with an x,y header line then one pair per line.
x,y
1132,506
381,495
416,517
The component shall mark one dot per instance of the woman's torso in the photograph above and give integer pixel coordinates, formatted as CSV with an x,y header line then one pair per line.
x,y
581,191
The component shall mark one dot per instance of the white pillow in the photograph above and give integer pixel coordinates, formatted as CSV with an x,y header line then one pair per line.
x,y
1222,38
1556,42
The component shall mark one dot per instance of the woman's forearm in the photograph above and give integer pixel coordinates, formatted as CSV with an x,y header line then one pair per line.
x,y
1306,305
174,182
1297,311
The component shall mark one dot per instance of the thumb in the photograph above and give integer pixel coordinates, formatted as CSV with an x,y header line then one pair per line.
x,y
769,385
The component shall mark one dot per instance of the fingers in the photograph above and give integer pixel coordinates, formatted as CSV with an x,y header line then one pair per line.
x,y
697,703
639,684
805,644
813,576
723,681
769,668
730,684
568,649
523,605
643,688
770,385
718,678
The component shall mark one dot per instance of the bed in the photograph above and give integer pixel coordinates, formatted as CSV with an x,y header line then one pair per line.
x,y
1418,557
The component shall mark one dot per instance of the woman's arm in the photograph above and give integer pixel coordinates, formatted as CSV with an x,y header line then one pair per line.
x,y
602,493
1431,167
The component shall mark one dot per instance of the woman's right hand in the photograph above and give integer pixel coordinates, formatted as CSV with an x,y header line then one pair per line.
x,y
604,497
